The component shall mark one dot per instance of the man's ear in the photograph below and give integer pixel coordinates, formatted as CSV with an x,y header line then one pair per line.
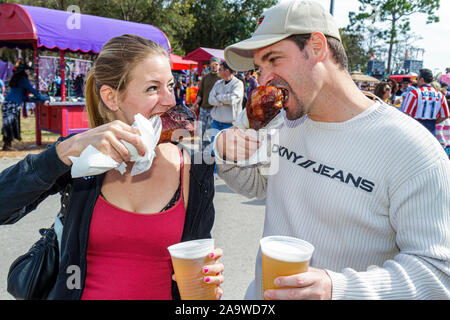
x,y
319,46
109,97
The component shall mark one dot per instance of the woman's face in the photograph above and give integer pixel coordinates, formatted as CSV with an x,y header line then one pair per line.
x,y
149,90
387,92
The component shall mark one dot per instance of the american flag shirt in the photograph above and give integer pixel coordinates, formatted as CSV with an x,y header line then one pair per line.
x,y
425,103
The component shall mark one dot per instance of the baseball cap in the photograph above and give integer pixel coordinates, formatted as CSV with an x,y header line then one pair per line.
x,y
278,23
214,60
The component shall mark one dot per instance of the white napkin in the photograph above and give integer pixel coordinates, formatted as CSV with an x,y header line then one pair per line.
x,y
92,162
260,156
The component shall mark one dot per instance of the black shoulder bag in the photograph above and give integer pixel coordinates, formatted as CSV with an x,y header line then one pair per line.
x,y
32,275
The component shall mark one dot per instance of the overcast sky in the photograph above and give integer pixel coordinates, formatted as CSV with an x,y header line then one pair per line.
x,y
435,36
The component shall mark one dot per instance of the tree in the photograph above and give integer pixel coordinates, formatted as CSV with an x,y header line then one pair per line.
x,y
353,45
223,22
394,17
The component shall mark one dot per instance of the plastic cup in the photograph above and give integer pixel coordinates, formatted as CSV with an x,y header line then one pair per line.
x,y
188,258
283,256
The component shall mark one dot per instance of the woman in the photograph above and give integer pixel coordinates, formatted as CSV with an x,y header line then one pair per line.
x,y
117,227
383,91
20,87
394,90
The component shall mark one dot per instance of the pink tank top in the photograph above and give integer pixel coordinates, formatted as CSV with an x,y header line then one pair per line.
x,y
127,256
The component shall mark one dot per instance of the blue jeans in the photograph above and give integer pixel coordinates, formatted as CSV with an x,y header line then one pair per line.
x,y
430,125
206,120
216,127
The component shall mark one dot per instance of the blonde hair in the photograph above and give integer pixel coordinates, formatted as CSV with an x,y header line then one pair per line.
x,y
112,67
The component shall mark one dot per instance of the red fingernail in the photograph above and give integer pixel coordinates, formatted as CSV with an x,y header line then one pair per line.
x,y
211,255
205,270
207,279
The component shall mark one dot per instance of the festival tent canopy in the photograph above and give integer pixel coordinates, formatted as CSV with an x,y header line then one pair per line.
x,y
22,26
358,76
203,55
178,63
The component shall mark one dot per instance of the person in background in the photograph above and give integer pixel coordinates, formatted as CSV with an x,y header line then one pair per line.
x,y
426,104
365,184
226,98
201,101
383,91
250,84
394,89
117,227
2,91
443,135
444,90
180,93
405,86
364,86
20,87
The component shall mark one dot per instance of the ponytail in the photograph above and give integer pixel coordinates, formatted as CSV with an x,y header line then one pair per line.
x,y
98,113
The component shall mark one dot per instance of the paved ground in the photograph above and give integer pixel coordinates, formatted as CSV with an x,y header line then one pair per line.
x,y
237,230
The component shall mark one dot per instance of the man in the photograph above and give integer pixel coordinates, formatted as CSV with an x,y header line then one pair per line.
x,y
250,84
405,86
426,104
226,98
364,86
180,93
206,85
345,181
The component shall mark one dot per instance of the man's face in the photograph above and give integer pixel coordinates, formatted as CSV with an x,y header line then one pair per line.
x,y
283,65
224,73
214,67
405,85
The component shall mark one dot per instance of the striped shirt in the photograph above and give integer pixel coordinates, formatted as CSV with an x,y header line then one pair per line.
x,y
425,103
443,132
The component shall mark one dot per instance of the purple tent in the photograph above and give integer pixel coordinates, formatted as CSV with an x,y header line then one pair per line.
x,y
21,26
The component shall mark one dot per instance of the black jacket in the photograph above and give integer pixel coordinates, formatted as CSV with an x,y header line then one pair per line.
x,y
24,185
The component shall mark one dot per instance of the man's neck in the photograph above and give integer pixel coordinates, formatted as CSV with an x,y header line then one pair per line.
x,y
228,79
339,99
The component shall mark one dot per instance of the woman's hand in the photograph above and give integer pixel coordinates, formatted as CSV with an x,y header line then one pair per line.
x,y
105,138
213,272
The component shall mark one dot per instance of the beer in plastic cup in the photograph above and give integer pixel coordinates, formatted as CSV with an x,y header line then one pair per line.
x,y
188,258
283,256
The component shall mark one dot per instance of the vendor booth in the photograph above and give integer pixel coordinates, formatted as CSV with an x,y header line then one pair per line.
x,y
178,63
41,29
203,55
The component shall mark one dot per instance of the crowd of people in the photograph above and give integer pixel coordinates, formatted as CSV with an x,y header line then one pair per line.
x,y
367,185
427,100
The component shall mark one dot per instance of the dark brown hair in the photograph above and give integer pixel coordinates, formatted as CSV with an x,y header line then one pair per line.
x,y
380,89
336,48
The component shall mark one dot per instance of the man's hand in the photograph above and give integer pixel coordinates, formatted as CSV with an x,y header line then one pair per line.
x,y
235,145
315,284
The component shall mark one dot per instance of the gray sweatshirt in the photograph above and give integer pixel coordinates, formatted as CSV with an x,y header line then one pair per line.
x,y
226,99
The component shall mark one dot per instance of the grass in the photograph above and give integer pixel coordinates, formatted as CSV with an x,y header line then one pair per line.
x,y
28,143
